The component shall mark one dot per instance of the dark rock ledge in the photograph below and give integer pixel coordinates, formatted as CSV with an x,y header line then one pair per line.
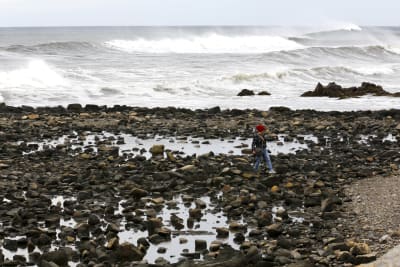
x,y
335,90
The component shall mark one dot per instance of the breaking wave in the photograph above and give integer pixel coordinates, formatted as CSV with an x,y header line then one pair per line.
x,y
213,43
324,72
36,74
52,46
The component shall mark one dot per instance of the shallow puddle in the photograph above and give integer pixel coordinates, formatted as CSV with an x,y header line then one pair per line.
x,y
366,139
182,240
132,145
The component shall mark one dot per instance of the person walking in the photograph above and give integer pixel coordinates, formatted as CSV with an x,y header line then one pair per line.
x,y
259,149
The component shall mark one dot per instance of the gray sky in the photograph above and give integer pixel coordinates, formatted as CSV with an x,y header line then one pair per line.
x,y
197,12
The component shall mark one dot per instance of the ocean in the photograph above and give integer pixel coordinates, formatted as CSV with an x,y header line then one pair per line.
x,y
197,67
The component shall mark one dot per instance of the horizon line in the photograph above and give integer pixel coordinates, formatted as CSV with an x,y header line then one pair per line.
x,y
176,26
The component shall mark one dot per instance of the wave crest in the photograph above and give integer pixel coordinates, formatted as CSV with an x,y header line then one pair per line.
x,y
213,43
52,46
37,74
393,49
316,72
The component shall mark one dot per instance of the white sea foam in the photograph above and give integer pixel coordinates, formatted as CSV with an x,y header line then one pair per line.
x,y
350,27
273,74
393,49
340,26
213,43
37,74
374,70
317,72
197,67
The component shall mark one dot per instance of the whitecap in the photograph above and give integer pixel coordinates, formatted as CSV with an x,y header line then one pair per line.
x,y
37,73
374,70
212,43
393,49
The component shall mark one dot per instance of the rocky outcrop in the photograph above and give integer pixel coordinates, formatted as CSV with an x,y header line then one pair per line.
x,y
247,92
337,91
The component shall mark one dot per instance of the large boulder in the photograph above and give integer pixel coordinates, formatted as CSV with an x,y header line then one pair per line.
x,y
335,90
76,107
263,93
246,92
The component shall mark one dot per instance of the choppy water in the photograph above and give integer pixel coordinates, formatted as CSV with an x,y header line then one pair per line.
x,y
196,67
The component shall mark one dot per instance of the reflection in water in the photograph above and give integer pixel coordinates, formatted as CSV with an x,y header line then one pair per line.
x,y
132,145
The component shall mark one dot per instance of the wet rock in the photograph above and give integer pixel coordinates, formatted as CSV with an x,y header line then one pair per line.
x,y
263,93
59,257
158,200
153,224
337,246
262,205
274,230
143,242
112,243
191,255
359,248
156,239
188,168
384,239
92,108
161,250
93,219
48,264
255,232
82,230
195,213
214,110
74,107
112,227
157,150
263,218
286,243
160,261
334,90
84,195
128,252
327,205
43,240
214,246
234,226
176,222
182,240
200,204
366,258
200,245
239,238
138,193
222,232
345,256
10,244
246,92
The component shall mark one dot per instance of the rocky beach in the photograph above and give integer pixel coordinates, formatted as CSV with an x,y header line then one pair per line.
x,y
111,186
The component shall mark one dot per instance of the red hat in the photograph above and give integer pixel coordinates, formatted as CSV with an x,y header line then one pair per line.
x,y
260,127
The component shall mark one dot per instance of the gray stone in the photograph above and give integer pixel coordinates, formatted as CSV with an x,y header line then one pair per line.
x,y
59,257
200,245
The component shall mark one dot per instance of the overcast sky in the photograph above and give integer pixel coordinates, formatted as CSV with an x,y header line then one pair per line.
x,y
197,12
